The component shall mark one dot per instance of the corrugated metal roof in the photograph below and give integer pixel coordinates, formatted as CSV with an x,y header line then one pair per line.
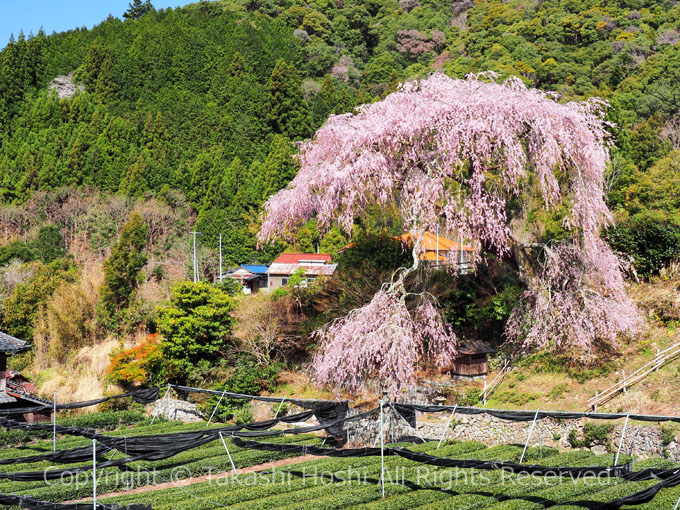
x,y
295,258
11,344
289,269
255,268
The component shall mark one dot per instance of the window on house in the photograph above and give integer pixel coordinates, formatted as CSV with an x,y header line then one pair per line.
x,y
284,281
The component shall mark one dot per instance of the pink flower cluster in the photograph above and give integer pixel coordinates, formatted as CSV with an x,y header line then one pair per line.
x,y
382,341
573,303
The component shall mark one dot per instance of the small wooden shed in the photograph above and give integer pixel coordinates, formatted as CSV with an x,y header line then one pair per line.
x,y
472,360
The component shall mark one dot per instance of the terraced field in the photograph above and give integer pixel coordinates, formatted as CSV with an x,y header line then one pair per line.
x,y
334,483
208,459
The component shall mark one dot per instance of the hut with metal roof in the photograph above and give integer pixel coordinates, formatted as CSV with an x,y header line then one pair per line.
x,y
16,391
472,359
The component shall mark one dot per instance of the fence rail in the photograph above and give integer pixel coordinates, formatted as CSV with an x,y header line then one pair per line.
x,y
661,358
489,389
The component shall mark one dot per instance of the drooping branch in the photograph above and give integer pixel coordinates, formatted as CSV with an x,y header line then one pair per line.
x,y
494,140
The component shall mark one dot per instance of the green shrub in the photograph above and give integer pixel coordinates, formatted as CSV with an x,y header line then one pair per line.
x,y
469,398
247,378
667,435
651,243
557,391
593,434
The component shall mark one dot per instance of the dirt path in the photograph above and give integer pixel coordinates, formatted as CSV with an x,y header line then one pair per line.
x,y
205,478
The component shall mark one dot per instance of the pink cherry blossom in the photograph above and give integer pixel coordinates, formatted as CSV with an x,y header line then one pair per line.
x,y
454,153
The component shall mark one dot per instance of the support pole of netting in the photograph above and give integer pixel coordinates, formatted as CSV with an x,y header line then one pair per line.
x,y
215,410
677,505
233,466
280,406
94,474
448,424
382,452
54,422
161,402
410,426
531,430
623,433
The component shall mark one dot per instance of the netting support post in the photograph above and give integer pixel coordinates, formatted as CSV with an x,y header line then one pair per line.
x,y
382,451
162,400
233,466
623,433
407,423
531,430
677,505
448,424
54,422
280,406
94,474
215,410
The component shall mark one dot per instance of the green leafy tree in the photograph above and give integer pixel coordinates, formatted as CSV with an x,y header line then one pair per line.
x,y
27,301
195,325
122,270
49,245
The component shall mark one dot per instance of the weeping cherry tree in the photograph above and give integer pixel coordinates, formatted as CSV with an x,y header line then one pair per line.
x,y
458,153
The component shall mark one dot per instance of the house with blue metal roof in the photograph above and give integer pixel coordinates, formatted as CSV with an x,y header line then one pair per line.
x,y
253,277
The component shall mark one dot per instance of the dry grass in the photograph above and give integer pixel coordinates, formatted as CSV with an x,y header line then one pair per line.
x,y
83,377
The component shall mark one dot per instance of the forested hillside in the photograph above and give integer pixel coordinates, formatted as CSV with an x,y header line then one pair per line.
x,y
190,116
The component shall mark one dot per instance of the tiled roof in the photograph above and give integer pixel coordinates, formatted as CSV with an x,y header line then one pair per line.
x,y
295,258
10,344
474,347
6,399
288,269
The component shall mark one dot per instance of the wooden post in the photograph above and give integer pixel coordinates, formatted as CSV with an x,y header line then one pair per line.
x,y
484,398
623,376
595,403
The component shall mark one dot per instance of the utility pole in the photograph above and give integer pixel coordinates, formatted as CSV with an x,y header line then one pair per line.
x,y
195,261
220,257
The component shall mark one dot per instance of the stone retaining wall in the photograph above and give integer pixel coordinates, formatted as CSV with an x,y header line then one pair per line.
x,y
646,441
173,409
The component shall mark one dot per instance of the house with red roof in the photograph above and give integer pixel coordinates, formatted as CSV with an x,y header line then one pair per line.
x,y
313,264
